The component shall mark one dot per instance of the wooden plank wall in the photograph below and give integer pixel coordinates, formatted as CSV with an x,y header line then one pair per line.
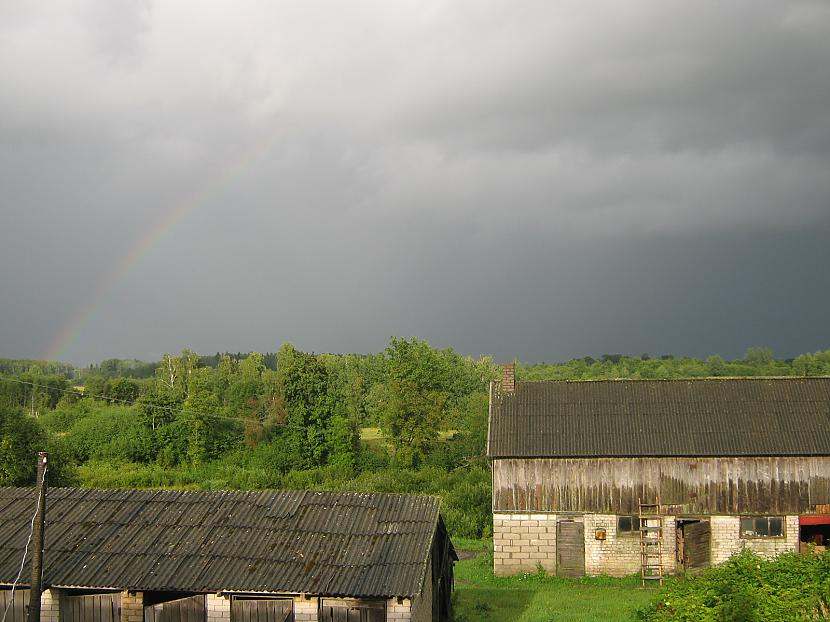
x,y
190,609
705,486
697,538
91,608
262,610
16,612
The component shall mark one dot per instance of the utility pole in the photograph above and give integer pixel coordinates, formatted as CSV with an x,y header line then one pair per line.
x,y
38,528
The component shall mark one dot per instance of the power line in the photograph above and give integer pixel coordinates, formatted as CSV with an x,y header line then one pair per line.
x,y
25,549
134,402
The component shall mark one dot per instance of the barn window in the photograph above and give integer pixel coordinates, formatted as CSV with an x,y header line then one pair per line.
x,y
762,526
352,610
628,524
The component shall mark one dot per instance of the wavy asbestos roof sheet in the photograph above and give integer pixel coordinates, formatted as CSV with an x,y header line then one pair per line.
x,y
708,417
337,544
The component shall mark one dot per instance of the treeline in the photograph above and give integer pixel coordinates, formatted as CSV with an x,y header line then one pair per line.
x,y
411,418
133,368
241,424
756,362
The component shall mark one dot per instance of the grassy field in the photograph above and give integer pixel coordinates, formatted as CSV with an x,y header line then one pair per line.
x,y
479,596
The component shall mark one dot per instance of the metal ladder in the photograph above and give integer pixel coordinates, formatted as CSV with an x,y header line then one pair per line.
x,y
651,543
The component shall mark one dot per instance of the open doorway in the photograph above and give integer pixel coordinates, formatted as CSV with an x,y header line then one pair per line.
x,y
693,539
814,530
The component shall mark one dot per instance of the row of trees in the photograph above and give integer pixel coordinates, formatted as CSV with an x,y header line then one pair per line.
x,y
297,420
756,362
310,410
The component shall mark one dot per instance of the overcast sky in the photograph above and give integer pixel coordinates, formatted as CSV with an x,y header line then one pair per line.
x,y
534,179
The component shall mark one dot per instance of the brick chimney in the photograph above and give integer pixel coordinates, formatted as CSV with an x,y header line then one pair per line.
x,y
508,377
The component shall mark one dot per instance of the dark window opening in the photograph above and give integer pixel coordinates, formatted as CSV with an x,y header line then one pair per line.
x,y
762,527
352,611
817,536
628,524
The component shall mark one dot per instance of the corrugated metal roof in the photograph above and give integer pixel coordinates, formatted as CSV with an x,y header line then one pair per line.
x,y
711,417
338,544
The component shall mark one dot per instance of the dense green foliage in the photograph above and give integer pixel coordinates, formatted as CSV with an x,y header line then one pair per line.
x,y
756,362
240,423
296,419
749,588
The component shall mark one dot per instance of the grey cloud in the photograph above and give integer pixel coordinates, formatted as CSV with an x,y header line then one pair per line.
x,y
540,181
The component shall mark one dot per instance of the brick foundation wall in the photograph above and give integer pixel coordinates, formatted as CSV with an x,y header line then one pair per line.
x,y
619,554
50,606
523,541
218,608
306,610
726,539
398,612
132,607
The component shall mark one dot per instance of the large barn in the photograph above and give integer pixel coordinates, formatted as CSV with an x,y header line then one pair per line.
x,y
578,468
188,556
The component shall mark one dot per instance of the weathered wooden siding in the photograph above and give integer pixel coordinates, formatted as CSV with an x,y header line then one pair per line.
x,y
753,485
14,606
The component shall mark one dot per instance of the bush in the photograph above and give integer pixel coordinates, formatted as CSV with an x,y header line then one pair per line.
x,y
748,588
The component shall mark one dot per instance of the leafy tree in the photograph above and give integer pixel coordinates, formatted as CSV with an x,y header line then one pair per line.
x,y
210,433
21,437
174,372
123,390
758,356
95,387
411,420
717,366
303,383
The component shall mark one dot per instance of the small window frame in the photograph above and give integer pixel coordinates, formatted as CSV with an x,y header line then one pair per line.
x,y
761,524
633,525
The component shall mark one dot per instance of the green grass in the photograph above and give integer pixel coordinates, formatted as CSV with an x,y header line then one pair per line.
x,y
480,596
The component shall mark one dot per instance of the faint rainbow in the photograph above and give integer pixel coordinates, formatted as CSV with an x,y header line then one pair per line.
x,y
232,169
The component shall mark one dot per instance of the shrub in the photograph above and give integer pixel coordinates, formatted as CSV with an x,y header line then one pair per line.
x,y
748,588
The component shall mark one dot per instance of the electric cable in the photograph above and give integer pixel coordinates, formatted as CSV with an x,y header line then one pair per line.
x,y
26,548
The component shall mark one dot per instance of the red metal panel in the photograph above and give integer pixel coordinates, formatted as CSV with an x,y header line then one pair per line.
x,y
814,520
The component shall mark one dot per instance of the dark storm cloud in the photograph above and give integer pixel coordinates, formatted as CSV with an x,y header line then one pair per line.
x,y
541,181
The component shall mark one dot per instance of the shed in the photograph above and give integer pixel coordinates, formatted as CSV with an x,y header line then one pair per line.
x,y
164,555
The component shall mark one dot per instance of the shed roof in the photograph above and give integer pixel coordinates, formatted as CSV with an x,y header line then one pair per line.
x,y
340,544
702,417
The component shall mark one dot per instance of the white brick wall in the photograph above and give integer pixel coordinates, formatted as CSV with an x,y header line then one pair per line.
x,y
523,541
218,608
306,610
726,539
399,612
619,554
132,607
50,606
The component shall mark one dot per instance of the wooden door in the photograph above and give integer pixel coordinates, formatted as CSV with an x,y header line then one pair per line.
x,y
245,609
696,545
91,608
190,609
16,607
570,549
